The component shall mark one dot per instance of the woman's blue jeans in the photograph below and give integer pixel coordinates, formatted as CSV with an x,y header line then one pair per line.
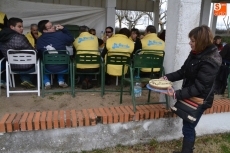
x,y
24,76
189,128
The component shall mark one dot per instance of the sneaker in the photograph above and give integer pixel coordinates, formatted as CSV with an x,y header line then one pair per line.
x,y
3,84
62,84
27,84
47,86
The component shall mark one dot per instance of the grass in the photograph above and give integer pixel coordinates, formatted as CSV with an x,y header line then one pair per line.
x,y
217,143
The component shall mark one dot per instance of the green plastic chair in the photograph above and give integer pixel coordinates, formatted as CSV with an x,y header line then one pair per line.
x,y
115,58
144,59
89,57
57,57
73,29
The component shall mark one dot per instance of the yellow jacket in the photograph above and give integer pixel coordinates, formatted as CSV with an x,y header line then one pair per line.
x,y
86,41
152,42
2,17
118,43
31,38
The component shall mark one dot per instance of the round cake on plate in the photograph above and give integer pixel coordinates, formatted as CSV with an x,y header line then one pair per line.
x,y
160,84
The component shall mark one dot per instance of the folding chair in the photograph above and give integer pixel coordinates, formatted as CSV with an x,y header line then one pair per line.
x,y
145,59
19,57
56,57
86,58
117,59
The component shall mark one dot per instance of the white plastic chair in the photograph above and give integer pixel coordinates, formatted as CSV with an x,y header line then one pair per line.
x,y
21,57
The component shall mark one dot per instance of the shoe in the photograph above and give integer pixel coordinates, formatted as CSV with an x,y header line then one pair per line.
x,y
3,84
84,85
47,86
62,84
27,84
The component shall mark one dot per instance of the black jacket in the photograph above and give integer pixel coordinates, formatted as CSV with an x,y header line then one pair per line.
x,y
10,39
198,73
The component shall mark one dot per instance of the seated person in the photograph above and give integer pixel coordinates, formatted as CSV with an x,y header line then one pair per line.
x,y
12,38
151,42
217,42
58,37
86,41
33,35
93,32
135,37
118,43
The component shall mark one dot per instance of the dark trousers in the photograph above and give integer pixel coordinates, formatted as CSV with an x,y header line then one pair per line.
x,y
189,128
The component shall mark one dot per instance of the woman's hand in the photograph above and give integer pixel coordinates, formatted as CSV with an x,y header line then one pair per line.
x,y
170,91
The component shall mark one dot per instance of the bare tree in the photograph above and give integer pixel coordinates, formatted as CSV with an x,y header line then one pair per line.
x,y
227,23
132,18
120,16
162,15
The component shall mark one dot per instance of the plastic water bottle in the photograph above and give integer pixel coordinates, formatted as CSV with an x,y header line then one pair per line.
x,y
137,89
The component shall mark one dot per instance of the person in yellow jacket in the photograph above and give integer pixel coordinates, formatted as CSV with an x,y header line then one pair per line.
x,y
33,35
3,20
118,43
86,41
151,42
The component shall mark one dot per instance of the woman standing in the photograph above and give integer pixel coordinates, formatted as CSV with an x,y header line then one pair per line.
x,y
198,73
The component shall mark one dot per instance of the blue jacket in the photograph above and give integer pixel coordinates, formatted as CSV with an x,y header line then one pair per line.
x,y
59,40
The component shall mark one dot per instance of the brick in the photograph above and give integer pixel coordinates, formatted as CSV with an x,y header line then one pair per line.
x,y
43,120
55,120
137,115
30,121
115,114
157,112
147,112
61,119
211,110
161,109
109,114
36,121
2,123
92,117
9,122
142,113
207,111
98,115
214,108
104,116
151,111
131,113
218,109
16,122
80,118
49,121
74,118
121,115
23,124
86,117
125,112
68,118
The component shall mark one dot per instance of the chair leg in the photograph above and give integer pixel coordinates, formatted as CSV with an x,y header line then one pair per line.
x,y
121,91
132,90
102,80
149,96
7,80
167,102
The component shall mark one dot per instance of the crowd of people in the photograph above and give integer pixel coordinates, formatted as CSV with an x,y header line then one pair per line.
x,y
46,36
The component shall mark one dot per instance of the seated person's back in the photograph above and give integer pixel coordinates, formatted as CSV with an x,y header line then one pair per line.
x,y
151,42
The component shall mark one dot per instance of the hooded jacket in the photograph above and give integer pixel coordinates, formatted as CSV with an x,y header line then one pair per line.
x,y
10,39
198,73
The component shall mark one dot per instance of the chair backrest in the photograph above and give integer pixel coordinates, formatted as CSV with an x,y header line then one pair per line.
x,y
73,29
149,59
87,57
21,56
118,58
56,57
